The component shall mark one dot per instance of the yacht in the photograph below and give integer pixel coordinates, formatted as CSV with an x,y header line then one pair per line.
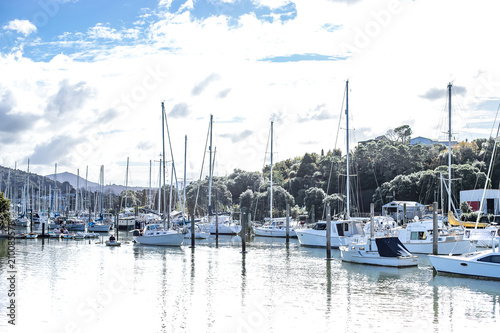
x,y
156,234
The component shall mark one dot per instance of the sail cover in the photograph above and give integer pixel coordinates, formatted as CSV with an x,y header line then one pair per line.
x,y
391,247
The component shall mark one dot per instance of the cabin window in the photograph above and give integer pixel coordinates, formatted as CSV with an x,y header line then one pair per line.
x,y
493,259
418,235
346,226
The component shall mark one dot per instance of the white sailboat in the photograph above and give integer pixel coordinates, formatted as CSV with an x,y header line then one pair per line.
x,y
221,224
343,232
275,228
155,233
98,225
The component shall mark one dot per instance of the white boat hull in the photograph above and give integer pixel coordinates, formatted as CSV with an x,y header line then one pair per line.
x,y
232,229
317,238
99,228
464,266
198,235
444,248
373,258
165,238
274,232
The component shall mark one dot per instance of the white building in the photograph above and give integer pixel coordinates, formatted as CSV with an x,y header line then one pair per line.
x,y
490,203
396,209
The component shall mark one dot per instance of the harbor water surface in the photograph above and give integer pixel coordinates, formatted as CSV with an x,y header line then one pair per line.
x,y
84,286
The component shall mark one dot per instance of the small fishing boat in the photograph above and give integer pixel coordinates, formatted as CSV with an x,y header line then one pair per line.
x,y
113,243
482,264
20,236
31,235
380,251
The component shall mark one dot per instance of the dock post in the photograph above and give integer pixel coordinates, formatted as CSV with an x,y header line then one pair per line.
x,y
287,223
192,231
435,232
243,229
372,225
328,233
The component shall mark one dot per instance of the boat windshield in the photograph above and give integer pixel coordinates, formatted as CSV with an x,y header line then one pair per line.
x,y
494,258
320,226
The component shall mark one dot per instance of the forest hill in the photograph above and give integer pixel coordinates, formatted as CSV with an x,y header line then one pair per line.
x,y
384,170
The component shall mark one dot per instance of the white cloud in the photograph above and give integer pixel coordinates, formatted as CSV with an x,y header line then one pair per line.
x,y
24,27
118,105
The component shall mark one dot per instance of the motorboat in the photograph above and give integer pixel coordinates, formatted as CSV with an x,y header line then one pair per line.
x,y
483,233
482,264
31,235
379,251
156,234
113,243
342,232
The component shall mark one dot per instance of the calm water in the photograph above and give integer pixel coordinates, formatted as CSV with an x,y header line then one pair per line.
x,y
82,286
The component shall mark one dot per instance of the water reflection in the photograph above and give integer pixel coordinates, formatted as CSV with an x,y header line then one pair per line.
x,y
274,287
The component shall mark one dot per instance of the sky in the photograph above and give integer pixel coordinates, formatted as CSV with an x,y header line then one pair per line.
x,y
82,82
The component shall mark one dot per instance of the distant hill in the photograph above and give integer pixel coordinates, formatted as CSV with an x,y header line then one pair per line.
x,y
91,186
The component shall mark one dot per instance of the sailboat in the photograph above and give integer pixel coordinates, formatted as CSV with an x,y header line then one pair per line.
x,y
97,225
275,228
418,236
224,224
343,232
157,233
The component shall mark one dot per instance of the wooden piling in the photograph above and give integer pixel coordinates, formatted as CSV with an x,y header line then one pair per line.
x,y
287,223
192,231
435,232
328,233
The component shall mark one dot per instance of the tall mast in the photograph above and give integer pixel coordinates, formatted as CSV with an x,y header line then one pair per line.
x,y
184,187
348,215
164,157
210,171
449,146
149,194
77,189
126,186
86,189
28,202
271,178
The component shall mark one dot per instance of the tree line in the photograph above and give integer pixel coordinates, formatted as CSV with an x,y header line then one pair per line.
x,y
388,168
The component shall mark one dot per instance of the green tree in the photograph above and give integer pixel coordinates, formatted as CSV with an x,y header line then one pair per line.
x,y
4,211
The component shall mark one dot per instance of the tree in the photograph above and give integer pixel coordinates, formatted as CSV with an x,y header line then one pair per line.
x,y
403,133
314,196
4,211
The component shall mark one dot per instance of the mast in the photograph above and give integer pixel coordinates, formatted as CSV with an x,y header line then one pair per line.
x,y
102,192
149,194
348,214
159,190
164,157
210,171
77,188
86,189
271,179
449,146
28,202
184,187
126,186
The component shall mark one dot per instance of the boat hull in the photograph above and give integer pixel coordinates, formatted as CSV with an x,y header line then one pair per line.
x,y
465,267
165,238
444,248
274,232
223,229
99,228
373,258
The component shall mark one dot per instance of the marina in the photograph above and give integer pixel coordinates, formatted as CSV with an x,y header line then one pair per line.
x,y
85,286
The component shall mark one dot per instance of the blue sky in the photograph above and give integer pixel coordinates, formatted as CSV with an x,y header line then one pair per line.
x,y
82,81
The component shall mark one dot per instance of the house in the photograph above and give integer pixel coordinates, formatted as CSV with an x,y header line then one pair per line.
x,y
490,203
420,140
395,209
